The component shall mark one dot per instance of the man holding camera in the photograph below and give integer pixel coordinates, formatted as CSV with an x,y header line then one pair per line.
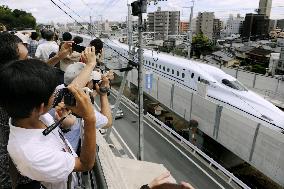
x,y
11,49
27,98
72,125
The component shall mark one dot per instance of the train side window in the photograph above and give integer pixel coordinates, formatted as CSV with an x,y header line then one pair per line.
x,y
164,68
177,73
153,64
160,66
173,71
156,65
182,75
192,75
168,70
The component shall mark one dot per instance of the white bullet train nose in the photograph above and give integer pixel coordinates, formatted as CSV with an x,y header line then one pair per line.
x,y
267,110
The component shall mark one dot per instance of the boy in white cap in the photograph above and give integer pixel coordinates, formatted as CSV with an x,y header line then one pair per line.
x,y
103,119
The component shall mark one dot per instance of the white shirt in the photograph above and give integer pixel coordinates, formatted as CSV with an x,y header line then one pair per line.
x,y
41,41
45,49
42,158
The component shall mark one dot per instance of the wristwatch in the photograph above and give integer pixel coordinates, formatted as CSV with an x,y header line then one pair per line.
x,y
146,186
104,89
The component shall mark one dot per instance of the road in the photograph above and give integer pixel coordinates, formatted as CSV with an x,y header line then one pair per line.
x,y
159,150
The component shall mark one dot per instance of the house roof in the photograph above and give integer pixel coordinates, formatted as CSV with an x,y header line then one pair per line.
x,y
277,50
245,48
259,52
225,56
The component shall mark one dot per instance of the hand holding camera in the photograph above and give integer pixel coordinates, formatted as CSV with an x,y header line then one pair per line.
x,y
110,75
89,55
61,112
79,102
103,86
66,49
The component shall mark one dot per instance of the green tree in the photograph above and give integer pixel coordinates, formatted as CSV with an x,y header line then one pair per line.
x,y
201,45
18,19
179,52
258,69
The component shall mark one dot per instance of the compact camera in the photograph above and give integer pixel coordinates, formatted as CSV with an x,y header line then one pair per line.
x,y
69,98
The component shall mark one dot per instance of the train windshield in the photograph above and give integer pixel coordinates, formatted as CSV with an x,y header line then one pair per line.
x,y
234,85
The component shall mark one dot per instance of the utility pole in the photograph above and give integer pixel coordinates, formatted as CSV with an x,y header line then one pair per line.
x,y
138,8
189,35
130,31
123,82
91,26
140,84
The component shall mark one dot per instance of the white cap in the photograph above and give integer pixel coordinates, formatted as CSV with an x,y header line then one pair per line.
x,y
23,37
72,71
97,75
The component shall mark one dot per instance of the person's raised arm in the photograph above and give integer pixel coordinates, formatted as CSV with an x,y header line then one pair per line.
x,y
105,107
84,109
66,49
89,57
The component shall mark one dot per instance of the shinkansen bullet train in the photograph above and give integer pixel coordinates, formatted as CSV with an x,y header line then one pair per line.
x,y
222,88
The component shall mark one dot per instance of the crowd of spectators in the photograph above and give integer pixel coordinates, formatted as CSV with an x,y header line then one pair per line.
x,y
36,74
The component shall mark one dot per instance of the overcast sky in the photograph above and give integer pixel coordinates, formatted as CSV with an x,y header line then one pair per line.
x,y
116,10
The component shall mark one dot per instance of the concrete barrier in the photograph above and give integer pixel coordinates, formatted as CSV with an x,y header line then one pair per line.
x,y
236,133
280,88
230,71
181,101
165,96
246,78
268,156
266,83
204,112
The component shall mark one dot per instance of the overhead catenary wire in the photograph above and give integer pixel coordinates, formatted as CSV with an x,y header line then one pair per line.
x,y
71,9
91,33
90,24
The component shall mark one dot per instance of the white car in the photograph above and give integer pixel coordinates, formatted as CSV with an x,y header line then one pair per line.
x,y
119,113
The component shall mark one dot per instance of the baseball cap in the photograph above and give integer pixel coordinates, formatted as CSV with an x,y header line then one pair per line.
x,y
96,75
72,71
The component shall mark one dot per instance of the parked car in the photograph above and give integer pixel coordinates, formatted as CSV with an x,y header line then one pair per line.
x,y
119,113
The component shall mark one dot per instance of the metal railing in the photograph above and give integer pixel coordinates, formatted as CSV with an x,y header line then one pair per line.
x,y
231,177
99,173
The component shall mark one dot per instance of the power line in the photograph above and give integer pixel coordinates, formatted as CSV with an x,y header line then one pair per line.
x,y
73,11
91,33
111,4
90,24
